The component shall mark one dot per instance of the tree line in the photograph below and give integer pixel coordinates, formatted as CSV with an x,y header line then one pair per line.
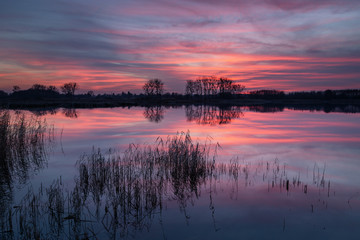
x,y
201,88
67,88
40,90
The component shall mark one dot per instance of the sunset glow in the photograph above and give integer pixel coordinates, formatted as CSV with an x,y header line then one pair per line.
x,y
117,46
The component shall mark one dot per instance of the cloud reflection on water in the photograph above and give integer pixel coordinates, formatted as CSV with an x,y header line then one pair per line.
x,y
304,142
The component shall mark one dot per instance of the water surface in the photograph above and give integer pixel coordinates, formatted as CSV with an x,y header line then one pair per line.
x,y
284,174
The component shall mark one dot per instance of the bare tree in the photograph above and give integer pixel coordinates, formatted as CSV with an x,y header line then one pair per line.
x,y
190,87
213,85
198,87
237,88
205,85
225,85
212,82
69,88
208,85
154,87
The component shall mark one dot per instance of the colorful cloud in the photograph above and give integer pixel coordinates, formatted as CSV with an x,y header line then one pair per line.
x,y
118,45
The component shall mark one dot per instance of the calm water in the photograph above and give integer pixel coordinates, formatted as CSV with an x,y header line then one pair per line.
x,y
288,174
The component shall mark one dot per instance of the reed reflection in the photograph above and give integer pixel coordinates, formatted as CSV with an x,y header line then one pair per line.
x,y
24,142
67,112
24,149
118,195
122,192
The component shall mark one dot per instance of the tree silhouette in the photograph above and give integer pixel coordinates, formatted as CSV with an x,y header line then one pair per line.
x,y
69,88
190,87
153,87
212,86
194,87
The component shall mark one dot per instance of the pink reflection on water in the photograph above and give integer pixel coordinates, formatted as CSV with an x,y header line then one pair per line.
x,y
295,167
301,140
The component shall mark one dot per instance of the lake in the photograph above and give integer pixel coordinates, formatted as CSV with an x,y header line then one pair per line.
x,y
196,172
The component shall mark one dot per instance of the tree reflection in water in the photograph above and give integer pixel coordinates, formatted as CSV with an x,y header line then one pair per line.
x,y
70,112
117,195
265,108
154,113
212,115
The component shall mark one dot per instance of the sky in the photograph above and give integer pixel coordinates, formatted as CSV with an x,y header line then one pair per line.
x,y
117,45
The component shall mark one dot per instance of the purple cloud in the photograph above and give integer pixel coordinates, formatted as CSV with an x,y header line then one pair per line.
x,y
293,44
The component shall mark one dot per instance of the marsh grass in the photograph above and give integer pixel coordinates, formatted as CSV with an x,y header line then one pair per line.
x,y
121,192
116,195
23,150
24,141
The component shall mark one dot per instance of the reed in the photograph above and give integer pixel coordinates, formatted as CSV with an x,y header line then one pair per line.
x,y
24,143
118,194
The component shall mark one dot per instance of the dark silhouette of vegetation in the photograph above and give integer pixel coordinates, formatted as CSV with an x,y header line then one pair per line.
x,y
37,91
267,94
70,88
51,90
125,191
213,91
3,94
153,87
38,87
91,93
328,94
24,143
16,88
206,86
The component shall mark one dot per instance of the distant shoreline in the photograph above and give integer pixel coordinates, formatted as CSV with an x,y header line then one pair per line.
x,y
222,93
328,105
